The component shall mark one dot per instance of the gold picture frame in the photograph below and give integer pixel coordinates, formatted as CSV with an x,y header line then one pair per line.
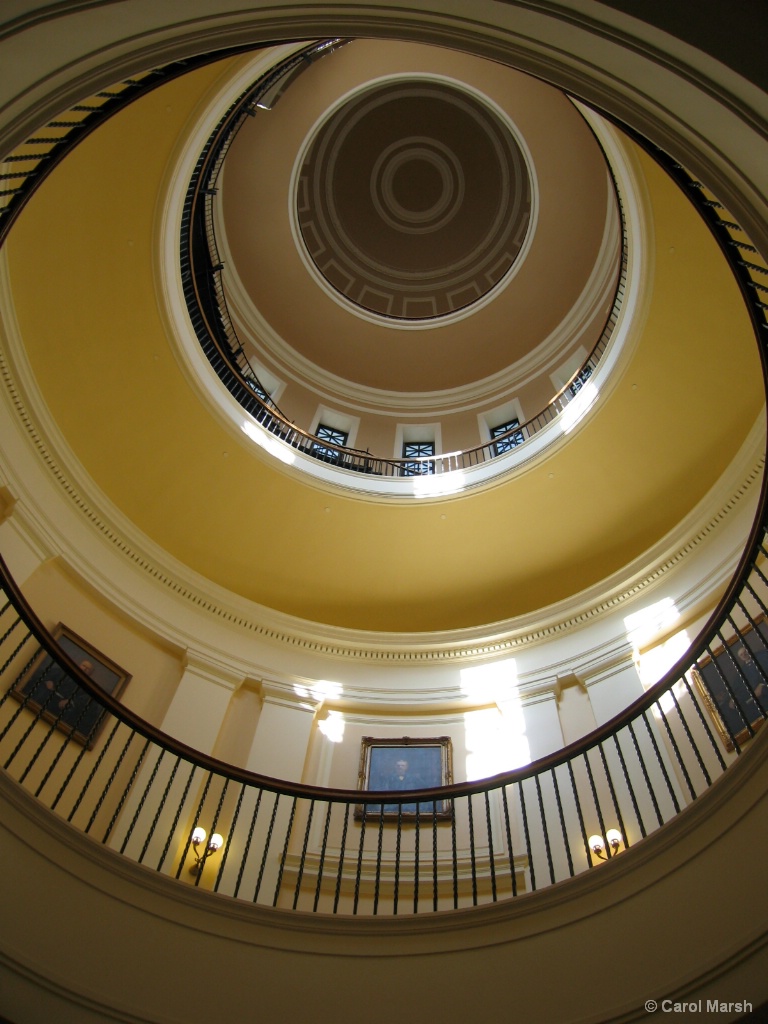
x,y
733,684
405,763
51,693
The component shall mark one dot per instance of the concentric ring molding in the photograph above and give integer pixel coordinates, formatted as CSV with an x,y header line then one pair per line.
x,y
451,290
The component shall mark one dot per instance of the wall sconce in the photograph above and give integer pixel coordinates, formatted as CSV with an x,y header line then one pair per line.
x,y
613,839
214,843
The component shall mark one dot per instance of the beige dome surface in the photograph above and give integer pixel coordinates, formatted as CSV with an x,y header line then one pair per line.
x,y
82,261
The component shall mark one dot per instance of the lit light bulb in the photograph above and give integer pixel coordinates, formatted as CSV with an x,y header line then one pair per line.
x,y
596,844
614,838
215,842
198,836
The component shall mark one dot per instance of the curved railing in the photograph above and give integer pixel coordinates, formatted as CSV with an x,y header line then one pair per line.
x,y
25,168
202,269
308,848
92,761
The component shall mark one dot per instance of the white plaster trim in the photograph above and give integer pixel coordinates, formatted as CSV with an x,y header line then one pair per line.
x,y
212,669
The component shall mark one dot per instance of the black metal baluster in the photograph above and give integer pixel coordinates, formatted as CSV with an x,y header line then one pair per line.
x,y
398,838
731,695
63,746
630,787
195,823
37,717
214,826
249,838
416,855
228,845
580,814
644,769
341,859
491,861
566,843
23,703
300,874
545,829
126,790
612,791
705,723
660,759
676,749
159,811
754,632
527,837
379,839
455,859
106,788
472,856
285,851
360,854
177,815
728,648
435,886
596,800
759,645
52,728
266,847
689,734
15,652
508,828
758,600
8,604
142,800
323,848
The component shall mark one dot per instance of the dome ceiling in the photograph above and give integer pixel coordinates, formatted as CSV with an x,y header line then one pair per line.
x,y
413,199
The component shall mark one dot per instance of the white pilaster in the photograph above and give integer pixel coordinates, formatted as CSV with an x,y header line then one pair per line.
x,y
281,742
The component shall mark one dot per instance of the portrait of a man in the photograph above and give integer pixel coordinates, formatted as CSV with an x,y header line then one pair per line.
x,y
735,685
399,765
52,693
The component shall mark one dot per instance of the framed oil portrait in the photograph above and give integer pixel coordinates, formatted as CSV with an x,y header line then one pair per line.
x,y
404,764
734,684
55,696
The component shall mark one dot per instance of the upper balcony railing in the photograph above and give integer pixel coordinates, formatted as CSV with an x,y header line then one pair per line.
x,y
307,848
202,270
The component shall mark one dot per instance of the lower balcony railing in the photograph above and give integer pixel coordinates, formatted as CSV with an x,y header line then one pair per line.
x,y
306,848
